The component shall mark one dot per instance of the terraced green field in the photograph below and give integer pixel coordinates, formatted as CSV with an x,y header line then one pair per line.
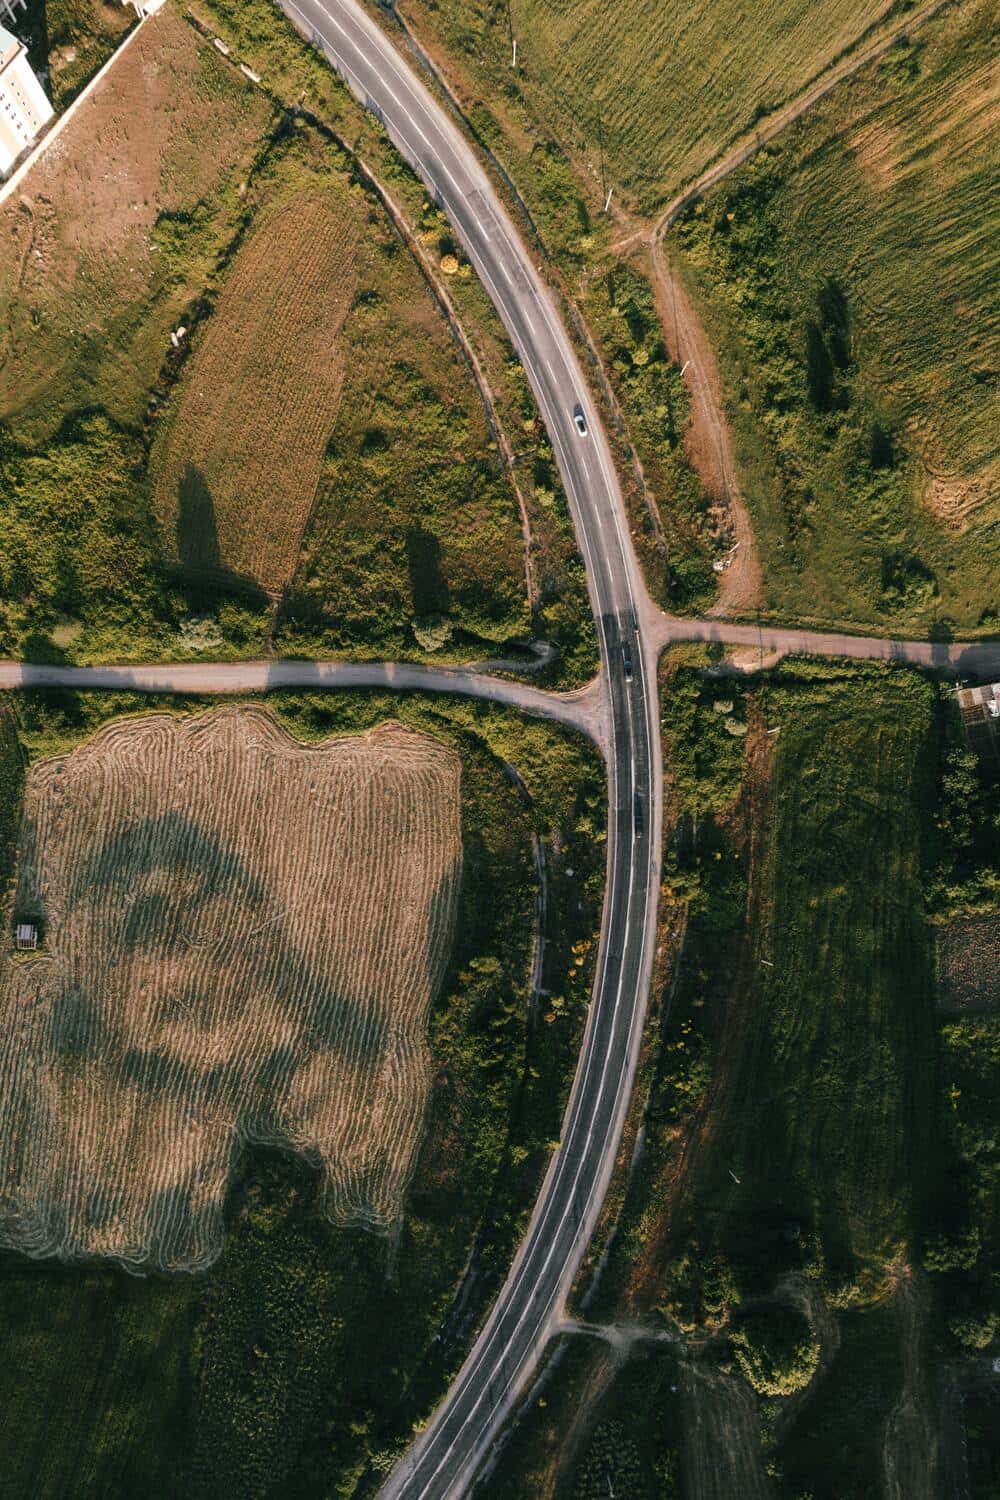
x,y
849,279
667,87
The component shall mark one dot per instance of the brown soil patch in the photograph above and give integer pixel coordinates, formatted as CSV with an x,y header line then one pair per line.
x,y
238,462
969,963
952,499
243,936
79,249
707,439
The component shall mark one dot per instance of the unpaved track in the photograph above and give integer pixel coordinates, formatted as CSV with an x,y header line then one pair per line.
x,y
910,1454
584,710
708,439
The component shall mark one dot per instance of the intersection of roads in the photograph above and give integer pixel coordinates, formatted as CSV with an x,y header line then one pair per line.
x,y
619,711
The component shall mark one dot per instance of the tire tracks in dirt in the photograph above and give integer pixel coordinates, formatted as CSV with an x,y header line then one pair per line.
x,y
707,439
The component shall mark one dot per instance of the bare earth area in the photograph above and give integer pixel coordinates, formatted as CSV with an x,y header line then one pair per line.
x,y
88,289
242,936
707,438
968,978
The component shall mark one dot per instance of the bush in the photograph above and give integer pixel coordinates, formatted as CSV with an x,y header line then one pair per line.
x,y
776,1349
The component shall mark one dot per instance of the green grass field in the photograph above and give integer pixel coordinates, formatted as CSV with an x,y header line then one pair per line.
x,y
665,89
307,1352
628,1445
827,1119
798,1052
834,1451
71,39
848,278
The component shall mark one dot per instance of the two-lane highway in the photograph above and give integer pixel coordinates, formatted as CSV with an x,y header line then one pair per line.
x,y
445,1458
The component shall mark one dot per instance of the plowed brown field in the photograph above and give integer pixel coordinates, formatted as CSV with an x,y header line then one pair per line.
x,y
240,462
243,936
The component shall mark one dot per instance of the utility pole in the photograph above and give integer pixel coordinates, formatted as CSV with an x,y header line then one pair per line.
x,y
513,61
607,201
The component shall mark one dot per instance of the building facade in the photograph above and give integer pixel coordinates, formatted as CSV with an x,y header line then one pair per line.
x,y
24,109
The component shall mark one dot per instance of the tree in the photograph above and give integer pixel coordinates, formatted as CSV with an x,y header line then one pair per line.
x,y
776,1349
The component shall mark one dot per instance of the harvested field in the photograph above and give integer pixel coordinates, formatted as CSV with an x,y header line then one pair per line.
x,y
118,227
243,935
969,963
239,464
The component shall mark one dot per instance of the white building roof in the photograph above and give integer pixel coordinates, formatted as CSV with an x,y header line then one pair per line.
x,y
24,109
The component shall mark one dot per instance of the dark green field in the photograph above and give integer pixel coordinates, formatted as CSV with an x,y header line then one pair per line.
x,y
306,1353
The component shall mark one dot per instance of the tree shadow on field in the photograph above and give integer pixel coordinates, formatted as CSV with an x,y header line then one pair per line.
x,y
162,889
174,874
428,588
197,539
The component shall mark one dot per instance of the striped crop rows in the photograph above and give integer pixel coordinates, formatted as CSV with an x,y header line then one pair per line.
x,y
242,938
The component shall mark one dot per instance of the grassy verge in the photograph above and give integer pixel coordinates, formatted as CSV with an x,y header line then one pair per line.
x,y
846,277
303,1358
618,86
594,1429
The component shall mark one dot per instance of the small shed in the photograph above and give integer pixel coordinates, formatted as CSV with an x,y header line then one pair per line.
x,y
25,937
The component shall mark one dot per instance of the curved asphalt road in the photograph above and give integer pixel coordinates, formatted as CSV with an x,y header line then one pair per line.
x,y
445,1458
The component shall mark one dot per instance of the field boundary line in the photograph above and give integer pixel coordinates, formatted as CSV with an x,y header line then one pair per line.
x,y
38,151
771,125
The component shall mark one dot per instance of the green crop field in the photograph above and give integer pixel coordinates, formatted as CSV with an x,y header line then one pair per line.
x,y
665,87
828,1110
848,277
307,1352
799,1045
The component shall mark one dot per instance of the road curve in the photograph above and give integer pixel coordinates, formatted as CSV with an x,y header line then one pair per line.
x,y
446,1456
584,709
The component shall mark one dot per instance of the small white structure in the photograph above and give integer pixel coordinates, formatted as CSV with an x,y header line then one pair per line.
x,y
26,937
24,109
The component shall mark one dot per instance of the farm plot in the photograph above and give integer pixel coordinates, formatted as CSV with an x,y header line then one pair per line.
x,y
239,461
117,228
849,280
243,935
659,89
